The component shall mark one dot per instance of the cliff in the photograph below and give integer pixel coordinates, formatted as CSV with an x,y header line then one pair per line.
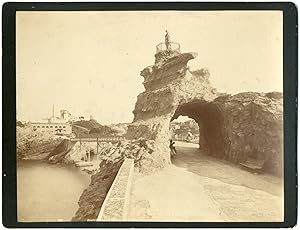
x,y
252,128
112,156
233,127
34,145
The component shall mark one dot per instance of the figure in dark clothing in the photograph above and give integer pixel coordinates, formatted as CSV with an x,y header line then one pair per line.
x,y
168,40
172,147
92,155
86,157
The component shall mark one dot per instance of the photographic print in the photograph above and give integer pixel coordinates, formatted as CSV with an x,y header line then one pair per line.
x,y
156,116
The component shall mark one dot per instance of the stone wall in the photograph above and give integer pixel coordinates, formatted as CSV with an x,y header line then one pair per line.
x,y
116,204
141,151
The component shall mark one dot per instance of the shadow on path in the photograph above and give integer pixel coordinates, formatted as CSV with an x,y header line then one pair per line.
x,y
190,157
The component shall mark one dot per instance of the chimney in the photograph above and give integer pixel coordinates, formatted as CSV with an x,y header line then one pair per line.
x,y
53,110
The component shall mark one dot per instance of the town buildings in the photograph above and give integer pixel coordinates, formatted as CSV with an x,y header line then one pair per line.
x,y
57,125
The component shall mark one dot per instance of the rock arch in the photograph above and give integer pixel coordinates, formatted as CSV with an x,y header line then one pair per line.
x,y
234,127
168,84
210,122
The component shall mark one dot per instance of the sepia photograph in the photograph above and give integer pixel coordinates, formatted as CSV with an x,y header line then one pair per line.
x,y
156,116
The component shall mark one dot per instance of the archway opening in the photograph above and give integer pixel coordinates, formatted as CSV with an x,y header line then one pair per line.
x,y
184,129
184,142
211,131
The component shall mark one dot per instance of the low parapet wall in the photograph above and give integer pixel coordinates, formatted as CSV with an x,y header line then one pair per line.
x,y
116,204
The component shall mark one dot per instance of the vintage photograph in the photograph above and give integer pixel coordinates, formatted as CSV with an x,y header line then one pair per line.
x,y
157,116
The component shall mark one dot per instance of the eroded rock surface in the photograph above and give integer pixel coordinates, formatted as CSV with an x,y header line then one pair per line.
x,y
112,156
34,146
92,198
233,127
253,127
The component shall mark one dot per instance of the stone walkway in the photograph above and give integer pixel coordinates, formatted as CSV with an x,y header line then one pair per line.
x,y
201,188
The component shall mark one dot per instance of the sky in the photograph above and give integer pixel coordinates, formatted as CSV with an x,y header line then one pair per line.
x,y
89,62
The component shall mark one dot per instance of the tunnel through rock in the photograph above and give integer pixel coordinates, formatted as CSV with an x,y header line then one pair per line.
x,y
185,129
212,136
245,128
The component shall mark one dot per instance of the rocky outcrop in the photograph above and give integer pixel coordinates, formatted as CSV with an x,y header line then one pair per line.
x,y
58,154
232,127
91,128
34,145
92,198
168,84
242,126
120,129
112,156
252,127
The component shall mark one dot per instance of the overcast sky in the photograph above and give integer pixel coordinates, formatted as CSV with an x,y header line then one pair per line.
x,y
89,62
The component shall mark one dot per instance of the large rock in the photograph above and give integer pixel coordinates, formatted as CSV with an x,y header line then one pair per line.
x,y
34,145
232,127
168,85
252,126
112,156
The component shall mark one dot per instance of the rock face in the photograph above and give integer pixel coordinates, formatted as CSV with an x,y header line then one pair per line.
x,y
34,145
92,198
232,127
58,154
238,127
112,156
91,128
252,127
169,83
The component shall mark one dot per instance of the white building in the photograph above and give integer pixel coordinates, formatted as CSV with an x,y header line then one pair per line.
x,y
56,128
57,125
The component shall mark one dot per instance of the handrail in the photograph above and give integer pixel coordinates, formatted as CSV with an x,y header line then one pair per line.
x,y
173,46
97,139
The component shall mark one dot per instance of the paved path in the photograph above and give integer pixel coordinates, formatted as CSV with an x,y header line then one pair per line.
x,y
201,188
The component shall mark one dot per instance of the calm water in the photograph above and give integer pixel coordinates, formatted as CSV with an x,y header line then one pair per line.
x,y
48,192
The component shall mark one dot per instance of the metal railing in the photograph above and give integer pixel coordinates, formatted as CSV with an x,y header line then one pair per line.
x,y
98,139
173,46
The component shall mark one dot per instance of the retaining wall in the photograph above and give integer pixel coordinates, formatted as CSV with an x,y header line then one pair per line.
x,y
116,204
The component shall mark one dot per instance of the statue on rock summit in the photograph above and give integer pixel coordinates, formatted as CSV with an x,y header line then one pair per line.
x,y
168,40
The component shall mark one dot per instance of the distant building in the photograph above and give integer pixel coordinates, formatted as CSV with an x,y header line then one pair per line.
x,y
56,125
65,114
56,128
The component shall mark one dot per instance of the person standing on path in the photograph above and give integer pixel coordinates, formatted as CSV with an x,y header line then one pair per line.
x,y
172,147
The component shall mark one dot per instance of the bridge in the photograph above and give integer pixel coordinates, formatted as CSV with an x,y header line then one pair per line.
x,y
97,140
112,139
90,147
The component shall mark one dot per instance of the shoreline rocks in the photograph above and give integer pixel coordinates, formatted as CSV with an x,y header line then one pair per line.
x,y
34,146
92,198
112,157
